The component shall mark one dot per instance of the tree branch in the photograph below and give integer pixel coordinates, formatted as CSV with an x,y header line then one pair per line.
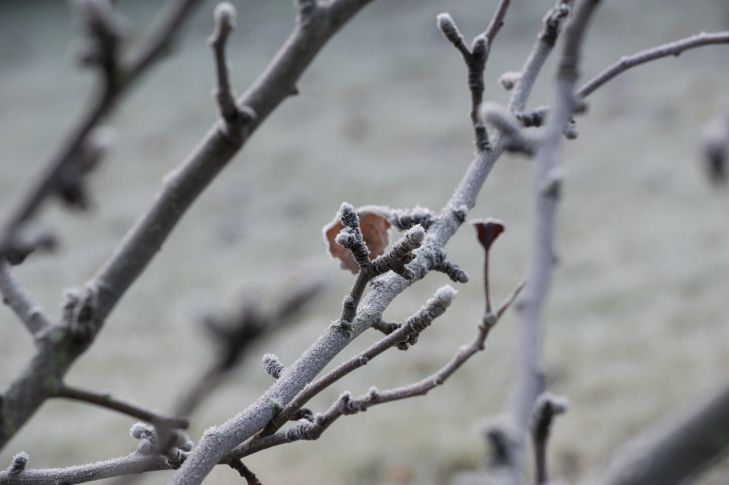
x,y
475,58
347,405
28,311
528,383
180,189
407,333
108,401
679,450
546,408
671,49
528,75
104,100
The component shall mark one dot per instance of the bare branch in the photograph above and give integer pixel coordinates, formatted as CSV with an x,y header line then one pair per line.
x,y
244,472
528,383
406,333
679,450
534,63
126,465
347,405
234,118
546,408
671,49
28,311
497,21
475,58
103,103
130,409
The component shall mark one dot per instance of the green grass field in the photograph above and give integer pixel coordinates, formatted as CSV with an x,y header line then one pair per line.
x,y
637,324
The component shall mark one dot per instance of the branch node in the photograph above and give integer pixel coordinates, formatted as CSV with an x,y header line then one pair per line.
x,y
17,466
80,313
509,79
272,365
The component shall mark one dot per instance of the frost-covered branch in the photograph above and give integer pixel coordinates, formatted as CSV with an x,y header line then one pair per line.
x,y
180,189
28,311
108,401
403,336
671,49
475,58
528,383
528,75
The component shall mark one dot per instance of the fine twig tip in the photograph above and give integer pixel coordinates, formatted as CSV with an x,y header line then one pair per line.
x,y
447,26
445,294
225,15
415,235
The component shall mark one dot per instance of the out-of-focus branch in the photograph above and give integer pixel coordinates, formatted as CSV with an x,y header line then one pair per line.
x,y
671,49
715,148
14,296
100,20
676,452
546,408
181,188
234,337
528,75
108,401
528,383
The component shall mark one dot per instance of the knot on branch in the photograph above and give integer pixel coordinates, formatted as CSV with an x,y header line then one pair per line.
x,y
177,443
272,365
80,313
17,466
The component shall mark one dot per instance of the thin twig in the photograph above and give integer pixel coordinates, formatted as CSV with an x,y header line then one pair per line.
x,y
130,409
533,66
180,189
671,49
28,311
406,333
347,405
232,116
546,408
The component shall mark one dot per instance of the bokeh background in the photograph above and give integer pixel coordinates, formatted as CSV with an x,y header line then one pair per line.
x,y
637,324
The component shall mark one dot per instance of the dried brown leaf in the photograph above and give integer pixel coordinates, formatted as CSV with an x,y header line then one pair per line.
x,y
375,232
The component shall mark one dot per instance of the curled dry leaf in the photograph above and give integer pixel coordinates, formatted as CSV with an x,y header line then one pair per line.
x,y
488,230
375,228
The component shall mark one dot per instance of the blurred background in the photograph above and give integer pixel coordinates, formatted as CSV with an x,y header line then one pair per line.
x,y
637,325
